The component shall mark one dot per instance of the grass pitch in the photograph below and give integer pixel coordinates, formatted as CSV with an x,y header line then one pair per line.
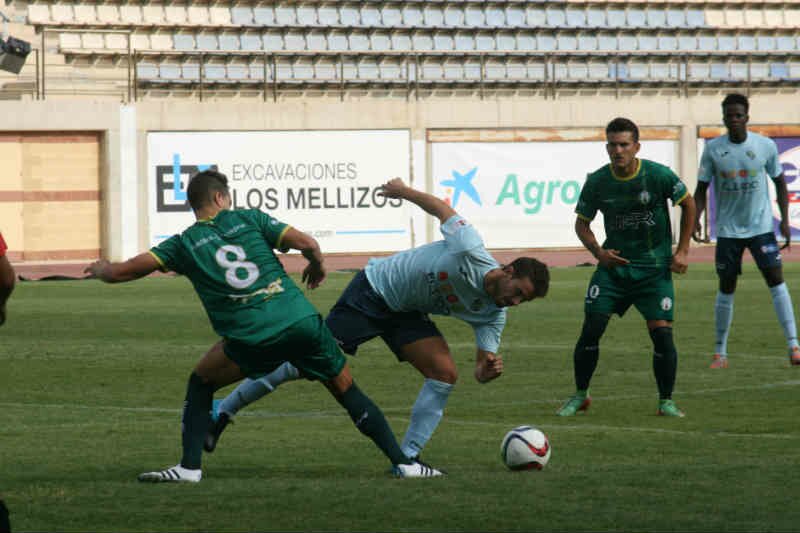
x,y
92,379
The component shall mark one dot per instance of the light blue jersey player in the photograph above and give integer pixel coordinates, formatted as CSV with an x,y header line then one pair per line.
x,y
740,165
392,298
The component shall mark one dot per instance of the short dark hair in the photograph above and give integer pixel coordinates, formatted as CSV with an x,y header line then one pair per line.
x,y
619,124
736,99
534,270
202,187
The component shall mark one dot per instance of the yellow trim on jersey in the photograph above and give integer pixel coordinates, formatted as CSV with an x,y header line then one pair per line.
x,y
280,237
682,198
163,267
626,178
584,217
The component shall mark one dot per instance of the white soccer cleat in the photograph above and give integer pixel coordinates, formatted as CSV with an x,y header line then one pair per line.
x,y
415,469
176,474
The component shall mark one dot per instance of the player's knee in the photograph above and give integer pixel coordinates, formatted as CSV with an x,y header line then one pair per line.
x,y
594,325
727,285
662,339
773,276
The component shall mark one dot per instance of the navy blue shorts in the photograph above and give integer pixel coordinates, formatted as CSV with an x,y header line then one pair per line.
x,y
362,314
764,249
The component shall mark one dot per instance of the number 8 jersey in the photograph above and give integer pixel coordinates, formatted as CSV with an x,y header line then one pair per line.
x,y
231,263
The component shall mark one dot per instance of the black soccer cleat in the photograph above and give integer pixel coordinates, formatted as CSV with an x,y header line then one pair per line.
x,y
215,430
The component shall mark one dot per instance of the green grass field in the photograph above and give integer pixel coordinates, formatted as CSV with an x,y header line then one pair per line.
x,y
92,379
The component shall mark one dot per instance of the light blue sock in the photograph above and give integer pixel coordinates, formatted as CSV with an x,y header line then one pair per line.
x,y
425,415
723,315
251,390
782,301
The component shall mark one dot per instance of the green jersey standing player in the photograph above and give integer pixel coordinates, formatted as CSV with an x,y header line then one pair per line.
x,y
261,314
636,260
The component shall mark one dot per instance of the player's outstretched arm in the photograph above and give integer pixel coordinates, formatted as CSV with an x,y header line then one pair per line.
x,y
680,259
430,204
700,206
134,268
488,366
314,273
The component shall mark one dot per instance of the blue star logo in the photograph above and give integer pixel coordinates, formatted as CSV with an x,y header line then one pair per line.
x,y
463,183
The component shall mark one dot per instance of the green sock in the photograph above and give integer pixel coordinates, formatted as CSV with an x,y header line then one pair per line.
x,y
370,421
196,418
665,361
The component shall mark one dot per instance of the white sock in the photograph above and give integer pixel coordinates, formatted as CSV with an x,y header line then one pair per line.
x,y
723,315
251,390
782,301
425,415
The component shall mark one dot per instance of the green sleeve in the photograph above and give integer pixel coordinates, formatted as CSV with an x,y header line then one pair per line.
x,y
169,254
675,188
587,202
272,229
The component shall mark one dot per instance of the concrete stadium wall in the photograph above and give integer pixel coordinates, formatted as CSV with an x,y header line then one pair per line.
x,y
123,130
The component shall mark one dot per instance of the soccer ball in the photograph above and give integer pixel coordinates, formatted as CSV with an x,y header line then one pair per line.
x,y
525,448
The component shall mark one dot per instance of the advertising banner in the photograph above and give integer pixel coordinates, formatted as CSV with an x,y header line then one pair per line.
x,y
322,182
523,194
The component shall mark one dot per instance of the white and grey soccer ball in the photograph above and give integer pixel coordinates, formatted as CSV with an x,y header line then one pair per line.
x,y
525,448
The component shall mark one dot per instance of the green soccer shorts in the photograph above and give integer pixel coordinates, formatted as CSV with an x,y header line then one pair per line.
x,y
614,290
307,344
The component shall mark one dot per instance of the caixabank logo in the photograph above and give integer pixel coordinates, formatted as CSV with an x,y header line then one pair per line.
x,y
171,182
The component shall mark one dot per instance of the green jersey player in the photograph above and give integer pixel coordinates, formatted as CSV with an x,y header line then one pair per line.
x,y
636,260
262,316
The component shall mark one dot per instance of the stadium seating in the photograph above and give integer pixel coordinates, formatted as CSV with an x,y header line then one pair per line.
x,y
436,42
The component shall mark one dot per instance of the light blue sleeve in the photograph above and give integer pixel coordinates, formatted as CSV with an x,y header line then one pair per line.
x,y
487,334
706,171
460,235
773,165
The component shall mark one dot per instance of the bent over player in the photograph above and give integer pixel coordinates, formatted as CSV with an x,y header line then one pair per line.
x,y
262,316
741,164
392,298
635,263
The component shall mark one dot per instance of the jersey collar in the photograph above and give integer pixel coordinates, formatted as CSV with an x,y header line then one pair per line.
x,y
626,178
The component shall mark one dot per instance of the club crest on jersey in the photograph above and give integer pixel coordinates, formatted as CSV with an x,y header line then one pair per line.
x,y
750,154
644,197
476,304
666,303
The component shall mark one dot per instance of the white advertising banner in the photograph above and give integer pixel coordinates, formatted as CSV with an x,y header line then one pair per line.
x,y
523,194
322,182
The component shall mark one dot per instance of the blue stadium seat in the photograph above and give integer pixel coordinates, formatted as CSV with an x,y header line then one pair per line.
x,y
719,71
328,15
349,15
422,41
496,17
392,71
656,17
207,41
391,16
779,71
273,41
242,16
183,41
765,42
338,41
370,16
627,43
380,40
535,17
607,42
215,72
495,70
515,16
556,17
485,42
285,15
687,42
726,43
785,43
238,72
465,41
647,43
229,42
546,43
567,42
294,40
169,71
307,15
453,16
676,18
667,42
746,43
263,16
433,16
412,16
615,18
474,16
637,18
526,42
576,18
252,42
706,43
695,18
596,17
326,71
443,41
401,42
505,41
316,40
358,41
587,43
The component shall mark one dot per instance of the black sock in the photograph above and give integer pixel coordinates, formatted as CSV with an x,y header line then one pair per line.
x,y
196,419
587,350
665,361
370,421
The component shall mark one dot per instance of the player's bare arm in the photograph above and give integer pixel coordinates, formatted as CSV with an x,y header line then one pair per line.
x,y
606,258
134,268
314,273
432,205
782,196
680,259
700,206
488,366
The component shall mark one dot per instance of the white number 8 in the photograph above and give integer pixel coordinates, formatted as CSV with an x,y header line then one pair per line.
x,y
232,267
